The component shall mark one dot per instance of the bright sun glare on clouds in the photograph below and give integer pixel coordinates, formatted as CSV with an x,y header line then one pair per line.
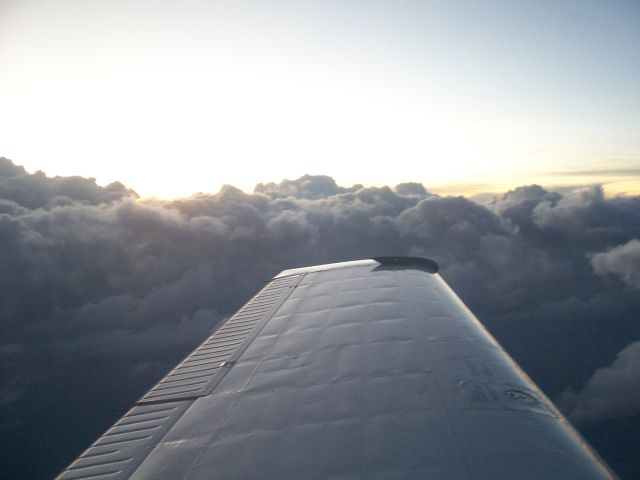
x,y
191,96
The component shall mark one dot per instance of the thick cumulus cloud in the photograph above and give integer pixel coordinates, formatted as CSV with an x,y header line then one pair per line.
x,y
622,261
102,292
17,187
612,392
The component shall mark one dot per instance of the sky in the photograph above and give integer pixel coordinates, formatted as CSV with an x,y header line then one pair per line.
x,y
465,97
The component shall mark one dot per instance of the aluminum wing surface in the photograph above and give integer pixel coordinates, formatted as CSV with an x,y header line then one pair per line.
x,y
367,369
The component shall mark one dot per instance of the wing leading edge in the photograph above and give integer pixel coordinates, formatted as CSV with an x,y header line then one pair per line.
x,y
364,369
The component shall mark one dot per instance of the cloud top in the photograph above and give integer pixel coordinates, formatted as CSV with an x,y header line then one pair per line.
x,y
95,282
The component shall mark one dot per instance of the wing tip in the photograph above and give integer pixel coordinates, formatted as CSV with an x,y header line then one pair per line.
x,y
417,263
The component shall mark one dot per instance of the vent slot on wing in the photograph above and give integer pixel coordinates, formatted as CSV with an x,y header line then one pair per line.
x,y
117,453
197,374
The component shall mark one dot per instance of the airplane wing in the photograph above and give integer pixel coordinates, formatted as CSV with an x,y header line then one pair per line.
x,y
366,369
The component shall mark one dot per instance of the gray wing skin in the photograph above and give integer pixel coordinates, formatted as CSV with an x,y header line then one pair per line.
x,y
366,369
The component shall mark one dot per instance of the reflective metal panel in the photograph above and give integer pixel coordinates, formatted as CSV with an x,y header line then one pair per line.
x,y
369,370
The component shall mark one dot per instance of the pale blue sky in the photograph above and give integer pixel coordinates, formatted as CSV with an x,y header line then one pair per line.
x,y
174,97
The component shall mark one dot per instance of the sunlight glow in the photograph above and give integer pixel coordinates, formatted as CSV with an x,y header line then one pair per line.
x,y
194,97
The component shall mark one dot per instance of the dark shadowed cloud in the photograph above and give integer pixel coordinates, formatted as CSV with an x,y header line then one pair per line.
x,y
102,292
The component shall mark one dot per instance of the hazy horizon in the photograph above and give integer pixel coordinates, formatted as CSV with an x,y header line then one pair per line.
x,y
469,190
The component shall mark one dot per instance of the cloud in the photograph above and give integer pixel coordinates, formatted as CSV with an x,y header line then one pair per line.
x,y
311,187
622,261
95,281
611,392
39,191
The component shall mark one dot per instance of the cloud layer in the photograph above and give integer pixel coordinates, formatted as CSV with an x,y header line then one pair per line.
x,y
101,292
